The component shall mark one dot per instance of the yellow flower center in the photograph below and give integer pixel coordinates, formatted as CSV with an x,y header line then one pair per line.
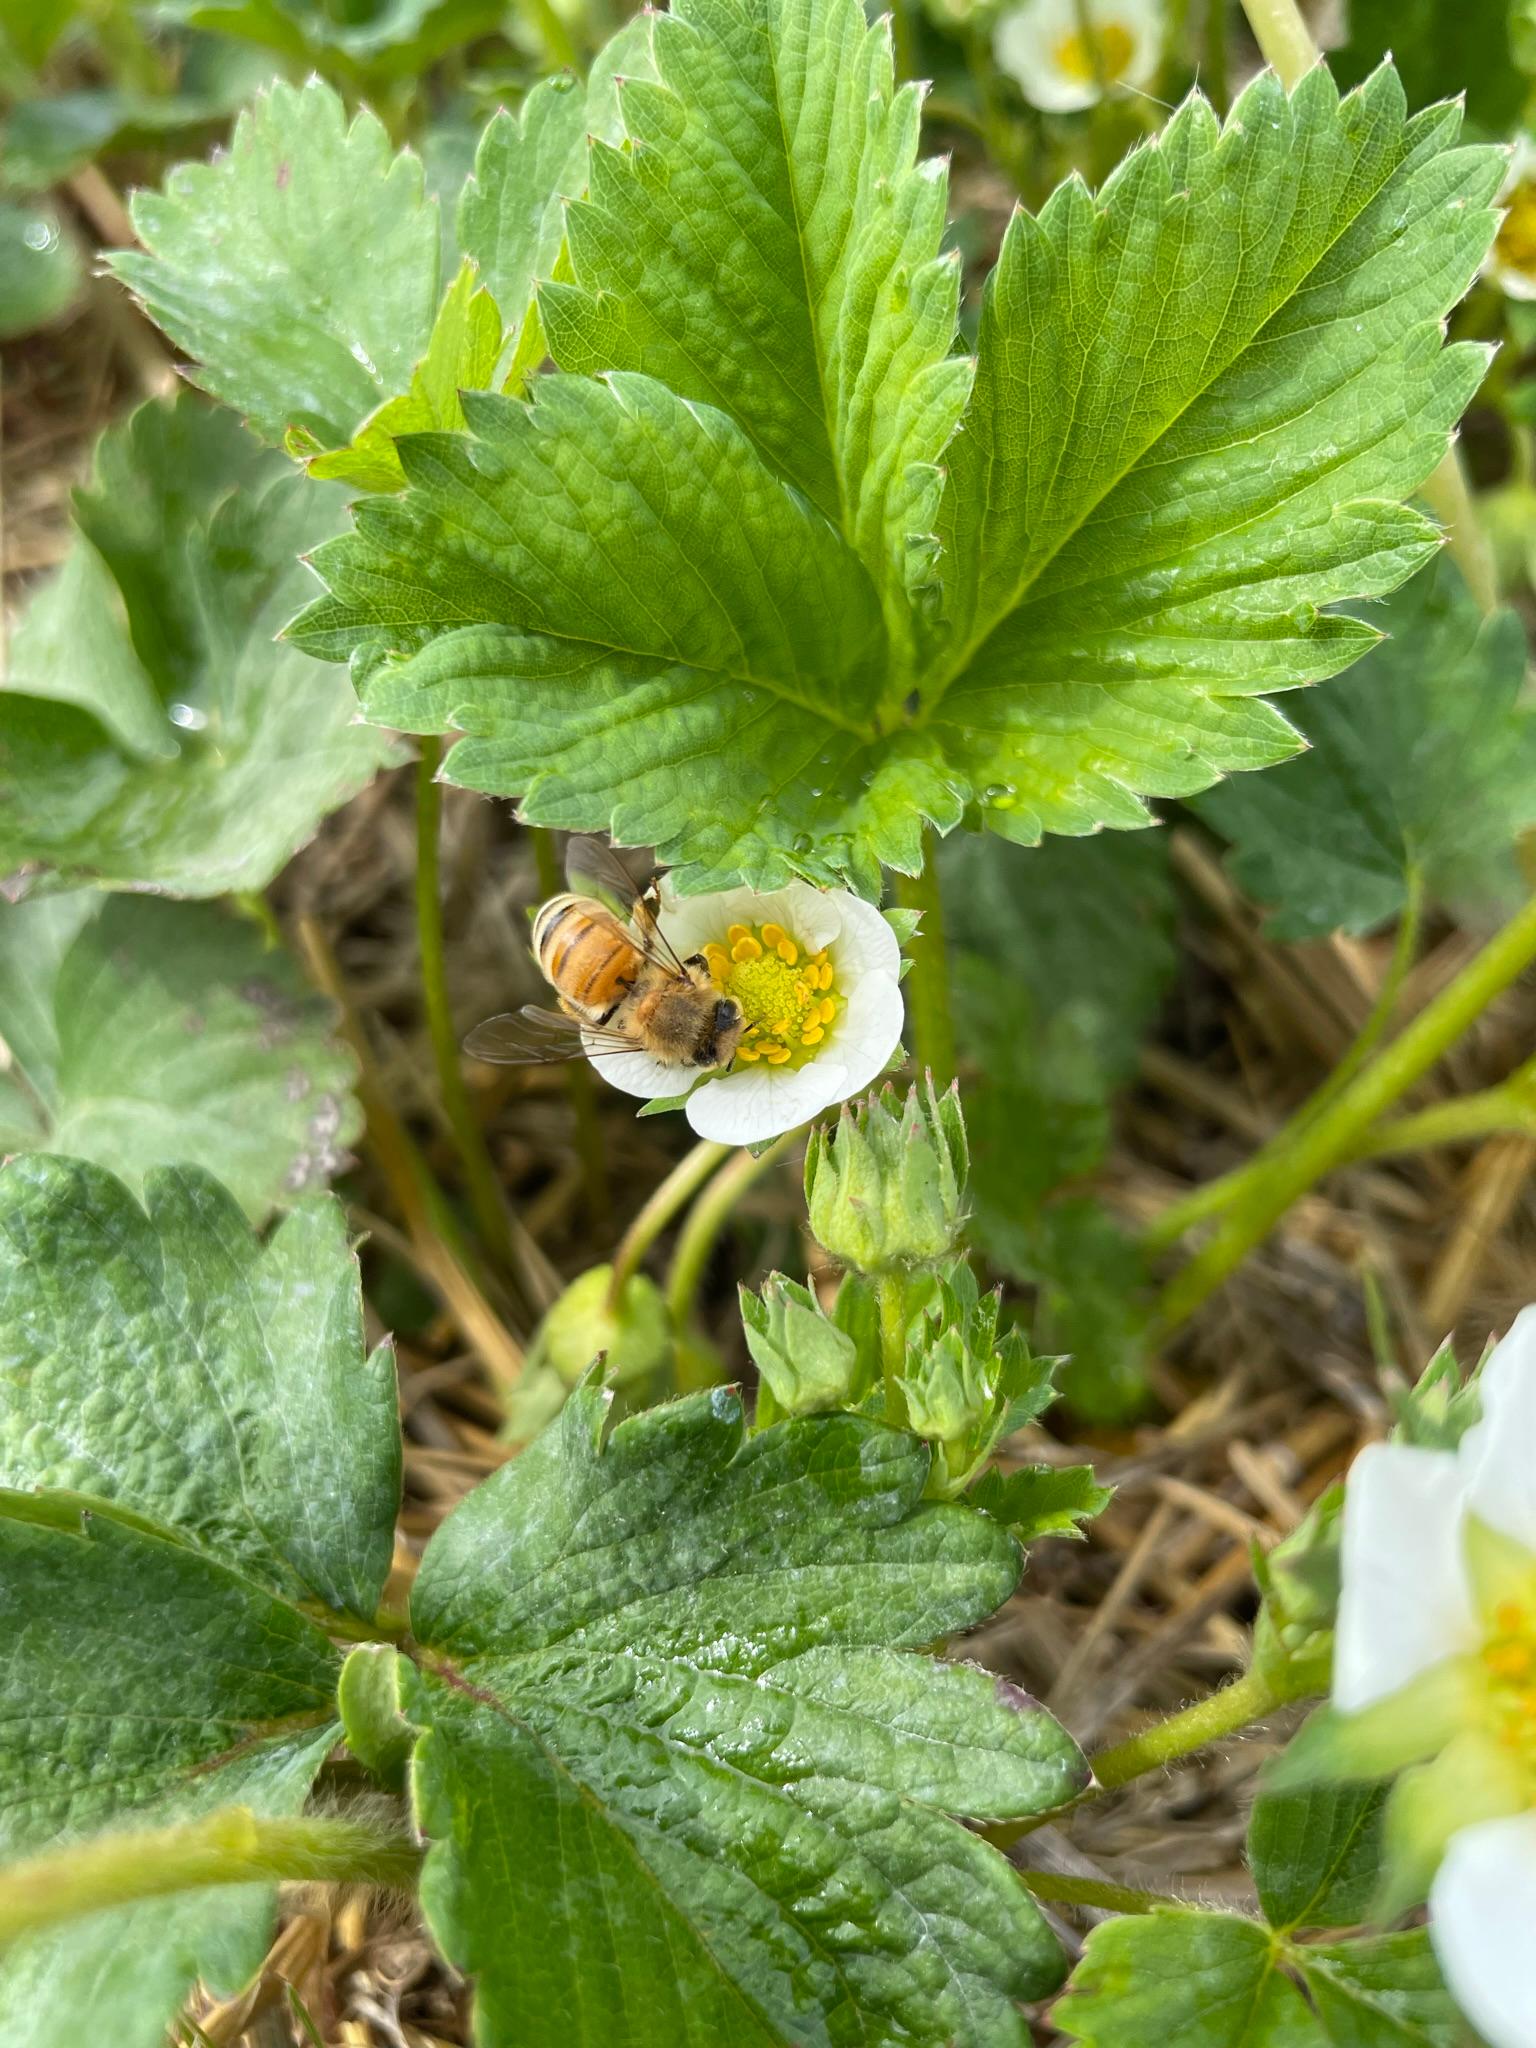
x,y
1116,48
787,996
1515,244
1509,1670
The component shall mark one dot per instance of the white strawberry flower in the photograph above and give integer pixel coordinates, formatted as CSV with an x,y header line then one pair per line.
x,y
817,974
1511,262
1043,48
1435,1658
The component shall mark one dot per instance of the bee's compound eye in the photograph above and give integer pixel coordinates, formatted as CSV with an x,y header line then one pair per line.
x,y
726,1014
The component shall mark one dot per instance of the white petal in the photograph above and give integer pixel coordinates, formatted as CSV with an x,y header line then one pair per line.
x,y
638,1074
689,923
1024,46
760,1102
868,1032
865,945
1498,1454
1404,1603
1482,1912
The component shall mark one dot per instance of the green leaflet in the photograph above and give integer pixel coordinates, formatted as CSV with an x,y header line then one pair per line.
x,y
330,303
40,268
145,1033
388,40
1316,1854
163,1359
1199,400
1424,759
226,1699
151,734
667,1666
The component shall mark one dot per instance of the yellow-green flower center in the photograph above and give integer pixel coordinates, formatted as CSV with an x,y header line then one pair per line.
x,y
1115,46
1515,244
1509,1672
788,997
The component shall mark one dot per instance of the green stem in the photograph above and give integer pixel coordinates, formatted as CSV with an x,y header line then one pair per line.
x,y
1216,1195
689,1174
1323,1142
1509,1107
231,1846
1091,1891
484,1189
891,1295
580,1085
1215,78
1247,1699
933,1029
706,1220
1446,493
1283,37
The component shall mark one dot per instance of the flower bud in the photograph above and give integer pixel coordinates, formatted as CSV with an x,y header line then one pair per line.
x,y
947,1389
631,1335
1299,1581
886,1188
806,1361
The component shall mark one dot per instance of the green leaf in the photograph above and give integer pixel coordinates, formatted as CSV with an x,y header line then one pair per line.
x,y
40,268
377,1691
147,1034
377,40
1316,1854
1199,398
1039,1500
227,1698
31,27
461,356
1201,1980
330,305
666,1665
1382,1993
1196,398
1424,759
151,734
164,1359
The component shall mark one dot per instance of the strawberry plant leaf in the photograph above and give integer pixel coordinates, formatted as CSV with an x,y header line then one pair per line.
x,y
164,1359
1386,1992
668,1665
1033,1501
299,271
1316,1853
227,1699
144,1034
151,734
1432,46
1247,321
395,39
1423,759
1204,1980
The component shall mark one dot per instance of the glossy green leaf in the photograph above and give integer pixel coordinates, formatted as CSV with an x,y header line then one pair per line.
x,y
1424,759
329,306
145,1034
41,271
1039,1500
152,736
373,40
1316,1854
164,1359
681,1783
1201,1980
1382,1993
226,1699
1247,322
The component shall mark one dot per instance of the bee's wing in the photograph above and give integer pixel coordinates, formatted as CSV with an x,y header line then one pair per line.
x,y
594,869
533,1037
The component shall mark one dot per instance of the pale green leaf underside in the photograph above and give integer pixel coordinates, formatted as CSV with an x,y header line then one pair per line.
x,y
299,271
227,1699
152,736
164,1359
1200,399
1424,760
669,1676
144,1033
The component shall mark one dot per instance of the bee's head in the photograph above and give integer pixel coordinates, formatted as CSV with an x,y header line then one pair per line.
x,y
721,1034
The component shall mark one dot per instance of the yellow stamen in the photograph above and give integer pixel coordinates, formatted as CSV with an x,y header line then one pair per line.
x,y
826,1009
1113,45
746,948
773,935
775,1055
748,1053
787,951
787,1000
814,1036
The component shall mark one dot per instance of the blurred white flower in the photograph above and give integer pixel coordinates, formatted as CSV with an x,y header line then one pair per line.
x,y
817,975
1059,68
1436,1657
1512,260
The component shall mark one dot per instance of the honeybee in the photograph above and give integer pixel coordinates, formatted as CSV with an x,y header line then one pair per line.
x,y
622,988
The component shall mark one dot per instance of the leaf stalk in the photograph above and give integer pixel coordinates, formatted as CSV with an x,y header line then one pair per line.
x,y
933,1029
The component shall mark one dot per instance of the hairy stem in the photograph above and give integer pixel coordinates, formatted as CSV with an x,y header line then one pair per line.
x,y
231,1846
1283,37
484,1189
708,1217
933,1030
891,1295
689,1174
580,1084
1091,1891
1509,1107
1303,1155
1246,1699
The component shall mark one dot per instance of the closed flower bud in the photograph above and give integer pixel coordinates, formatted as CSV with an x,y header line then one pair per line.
x,y
806,1361
1299,1580
886,1187
631,1335
947,1389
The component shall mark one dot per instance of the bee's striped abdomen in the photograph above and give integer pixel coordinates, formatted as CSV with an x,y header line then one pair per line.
x,y
583,955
